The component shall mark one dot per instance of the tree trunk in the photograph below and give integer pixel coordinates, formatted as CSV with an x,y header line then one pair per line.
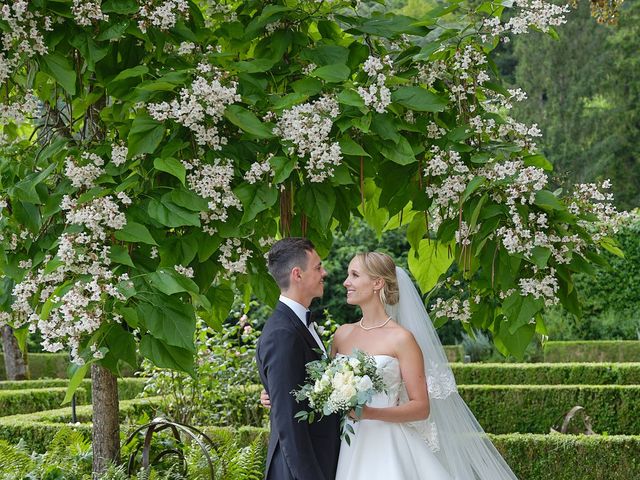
x,y
15,362
106,424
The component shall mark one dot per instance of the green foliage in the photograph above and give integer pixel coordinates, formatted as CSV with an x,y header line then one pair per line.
x,y
222,390
592,351
535,408
38,429
578,88
570,457
13,402
610,299
547,373
128,388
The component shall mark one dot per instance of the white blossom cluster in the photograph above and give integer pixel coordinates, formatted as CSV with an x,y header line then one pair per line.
x,y
594,199
259,170
430,72
377,95
200,107
213,183
530,14
161,14
24,38
447,178
186,48
85,12
84,175
186,271
19,112
77,281
452,308
233,256
119,152
308,127
545,287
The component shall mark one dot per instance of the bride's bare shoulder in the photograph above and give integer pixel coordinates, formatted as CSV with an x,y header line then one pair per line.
x,y
400,336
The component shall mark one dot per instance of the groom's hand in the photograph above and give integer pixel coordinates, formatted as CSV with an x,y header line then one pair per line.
x,y
264,399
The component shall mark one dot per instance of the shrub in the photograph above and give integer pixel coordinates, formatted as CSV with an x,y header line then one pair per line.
x,y
571,457
593,351
50,365
39,428
223,390
547,373
535,408
454,353
14,402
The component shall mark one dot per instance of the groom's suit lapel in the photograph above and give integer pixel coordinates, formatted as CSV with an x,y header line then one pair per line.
x,y
291,317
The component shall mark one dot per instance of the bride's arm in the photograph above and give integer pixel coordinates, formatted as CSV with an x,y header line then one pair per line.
x,y
412,369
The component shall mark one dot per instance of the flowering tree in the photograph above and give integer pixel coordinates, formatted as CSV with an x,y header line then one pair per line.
x,y
152,150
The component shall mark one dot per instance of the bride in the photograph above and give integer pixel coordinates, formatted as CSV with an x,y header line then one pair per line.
x,y
420,428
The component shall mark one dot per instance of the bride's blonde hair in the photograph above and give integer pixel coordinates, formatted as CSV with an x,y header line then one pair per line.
x,y
381,265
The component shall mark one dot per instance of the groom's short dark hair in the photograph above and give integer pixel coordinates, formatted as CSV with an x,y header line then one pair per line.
x,y
286,254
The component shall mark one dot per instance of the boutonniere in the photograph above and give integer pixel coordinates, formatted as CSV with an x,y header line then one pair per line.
x,y
319,328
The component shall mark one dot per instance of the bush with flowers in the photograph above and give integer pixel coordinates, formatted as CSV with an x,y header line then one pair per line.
x,y
223,390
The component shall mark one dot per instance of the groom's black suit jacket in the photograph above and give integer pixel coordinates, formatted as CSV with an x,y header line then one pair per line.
x,y
297,450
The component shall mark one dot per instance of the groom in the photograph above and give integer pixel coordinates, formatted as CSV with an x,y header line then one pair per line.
x,y
297,450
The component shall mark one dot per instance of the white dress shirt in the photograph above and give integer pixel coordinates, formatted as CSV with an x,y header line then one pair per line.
x,y
301,313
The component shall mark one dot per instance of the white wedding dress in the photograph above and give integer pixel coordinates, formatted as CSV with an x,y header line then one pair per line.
x,y
386,450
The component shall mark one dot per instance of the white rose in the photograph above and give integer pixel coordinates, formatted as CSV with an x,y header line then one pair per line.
x,y
354,362
364,383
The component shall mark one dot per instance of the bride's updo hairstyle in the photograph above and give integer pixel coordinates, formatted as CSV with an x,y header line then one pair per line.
x,y
381,265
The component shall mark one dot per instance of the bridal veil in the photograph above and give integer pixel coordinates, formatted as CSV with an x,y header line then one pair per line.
x,y
452,432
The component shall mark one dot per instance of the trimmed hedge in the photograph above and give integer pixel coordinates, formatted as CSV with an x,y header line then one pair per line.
x,y
50,365
531,456
127,387
38,429
547,373
13,402
535,408
592,351
522,408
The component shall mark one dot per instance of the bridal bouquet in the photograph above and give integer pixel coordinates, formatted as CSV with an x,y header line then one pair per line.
x,y
339,385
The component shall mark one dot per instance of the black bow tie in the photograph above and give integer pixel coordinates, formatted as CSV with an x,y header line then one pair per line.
x,y
308,317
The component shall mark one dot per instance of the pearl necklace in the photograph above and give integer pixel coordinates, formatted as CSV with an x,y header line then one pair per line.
x,y
375,326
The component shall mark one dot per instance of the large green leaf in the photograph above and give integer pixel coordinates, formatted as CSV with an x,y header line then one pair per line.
x,y
373,213
61,68
120,254
172,166
332,73
78,374
145,135
247,121
318,202
547,200
221,298
169,282
170,321
401,153
121,345
520,309
167,356
419,99
431,260
349,147
171,215
135,232
255,198
517,342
